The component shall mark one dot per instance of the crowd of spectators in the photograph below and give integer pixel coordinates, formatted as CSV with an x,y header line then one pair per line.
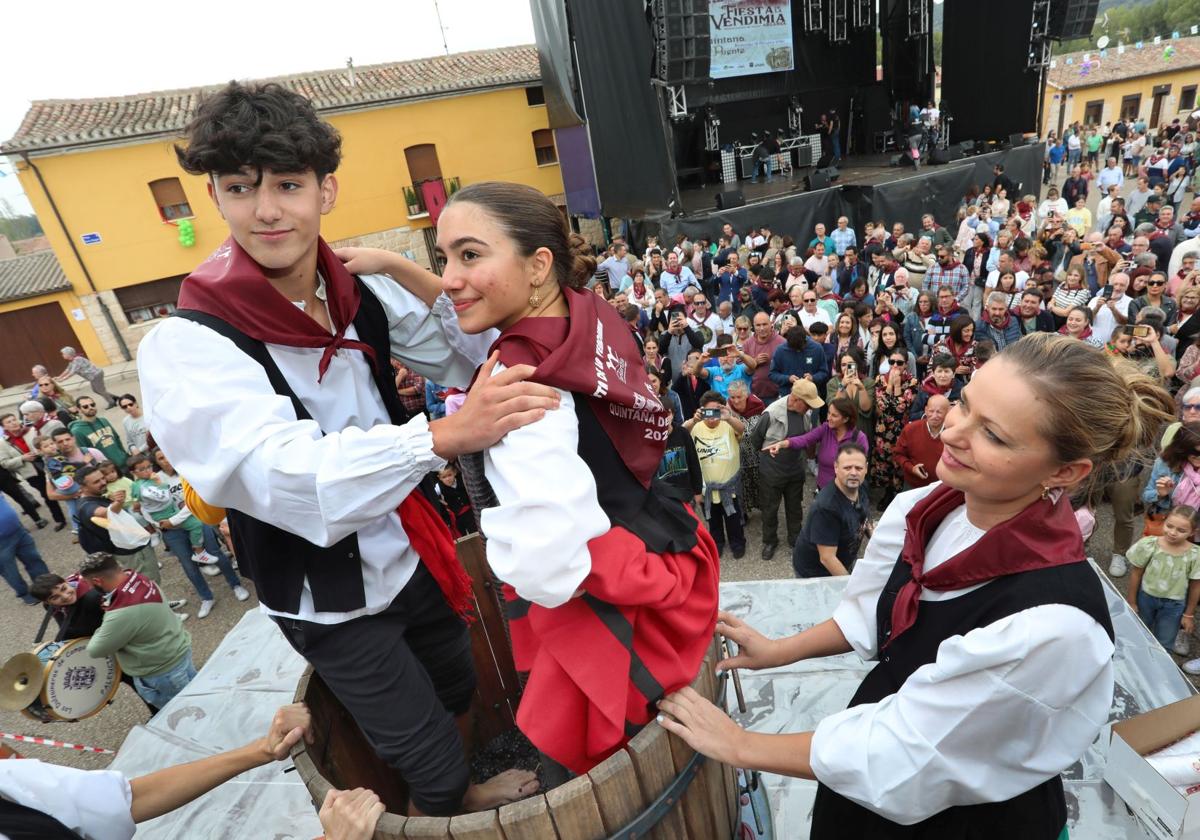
x,y
783,353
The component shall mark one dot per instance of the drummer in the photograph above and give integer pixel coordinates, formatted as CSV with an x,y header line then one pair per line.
x,y
140,630
78,609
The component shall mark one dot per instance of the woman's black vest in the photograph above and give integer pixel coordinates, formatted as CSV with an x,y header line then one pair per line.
x,y
1037,814
277,560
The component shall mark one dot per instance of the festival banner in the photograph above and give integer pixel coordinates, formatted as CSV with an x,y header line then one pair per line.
x,y
749,37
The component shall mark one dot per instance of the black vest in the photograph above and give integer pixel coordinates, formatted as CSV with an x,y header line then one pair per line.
x,y
20,822
277,560
1036,814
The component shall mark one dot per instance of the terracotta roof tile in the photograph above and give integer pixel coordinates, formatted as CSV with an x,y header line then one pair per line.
x,y
1115,66
30,276
81,122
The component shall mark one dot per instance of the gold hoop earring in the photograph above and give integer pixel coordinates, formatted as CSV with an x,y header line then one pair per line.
x,y
535,299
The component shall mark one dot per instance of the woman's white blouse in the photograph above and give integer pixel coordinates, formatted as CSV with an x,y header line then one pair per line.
x,y
538,535
1000,710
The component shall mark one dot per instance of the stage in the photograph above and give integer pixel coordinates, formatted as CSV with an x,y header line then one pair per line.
x,y
867,189
859,170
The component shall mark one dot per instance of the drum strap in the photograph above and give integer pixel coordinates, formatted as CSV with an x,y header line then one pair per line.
x,y
42,629
24,823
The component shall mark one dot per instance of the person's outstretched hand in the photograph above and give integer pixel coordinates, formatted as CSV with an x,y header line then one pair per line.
x,y
350,814
755,651
495,406
291,723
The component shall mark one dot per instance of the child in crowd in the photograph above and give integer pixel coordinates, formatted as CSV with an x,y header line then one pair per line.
x,y
158,505
116,482
60,481
1164,577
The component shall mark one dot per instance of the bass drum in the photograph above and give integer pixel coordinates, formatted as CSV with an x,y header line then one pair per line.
x,y
76,685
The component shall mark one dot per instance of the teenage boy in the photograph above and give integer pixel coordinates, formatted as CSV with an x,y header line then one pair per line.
x,y
271,392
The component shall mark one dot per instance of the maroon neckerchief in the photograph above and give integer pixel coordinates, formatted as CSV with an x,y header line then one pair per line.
x,y
1043,535
1087,332
592,354
137,589
930,386
231,286
1007,321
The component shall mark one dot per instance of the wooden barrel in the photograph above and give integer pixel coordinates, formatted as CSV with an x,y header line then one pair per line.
x,y
655,787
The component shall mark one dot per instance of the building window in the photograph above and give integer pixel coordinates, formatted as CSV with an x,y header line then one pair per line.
x,y
172,203
1187,98
535,95
1093,111
148,301
1130,106
543,147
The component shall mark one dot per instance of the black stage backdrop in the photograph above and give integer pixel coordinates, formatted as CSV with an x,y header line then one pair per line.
x,y
554,56
938,190
629,149
983,42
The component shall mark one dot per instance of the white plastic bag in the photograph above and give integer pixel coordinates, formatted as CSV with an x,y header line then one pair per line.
x,y
125,531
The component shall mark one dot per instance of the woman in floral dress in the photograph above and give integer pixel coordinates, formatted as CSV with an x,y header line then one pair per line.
x,y
894,395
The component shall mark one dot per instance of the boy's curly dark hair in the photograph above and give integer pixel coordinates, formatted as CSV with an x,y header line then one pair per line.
x,y
264,127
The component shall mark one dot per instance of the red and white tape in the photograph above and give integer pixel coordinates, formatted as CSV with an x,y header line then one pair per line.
x,y
50,742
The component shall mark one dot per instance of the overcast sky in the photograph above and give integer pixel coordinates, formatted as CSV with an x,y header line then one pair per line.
x,y
54,51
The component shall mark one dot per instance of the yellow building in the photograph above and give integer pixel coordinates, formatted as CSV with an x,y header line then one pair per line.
x,y
102,176
1156,83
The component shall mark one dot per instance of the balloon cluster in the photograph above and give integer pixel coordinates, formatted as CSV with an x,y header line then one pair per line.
x,y
187,233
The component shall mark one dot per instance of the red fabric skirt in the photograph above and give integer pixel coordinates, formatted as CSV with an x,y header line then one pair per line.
x,y
581,701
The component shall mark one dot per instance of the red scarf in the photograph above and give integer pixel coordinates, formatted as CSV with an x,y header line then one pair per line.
x,y
137,589
1087,332
930,386
231,286
591,353
1043,535
18,442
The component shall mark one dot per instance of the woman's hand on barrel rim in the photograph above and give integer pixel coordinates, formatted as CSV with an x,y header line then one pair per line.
x,y
704,727
754,650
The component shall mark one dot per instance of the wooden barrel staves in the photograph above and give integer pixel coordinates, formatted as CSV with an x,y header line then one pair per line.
x,y
656,787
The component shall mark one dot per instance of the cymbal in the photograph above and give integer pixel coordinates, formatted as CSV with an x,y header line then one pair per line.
x,y
21,681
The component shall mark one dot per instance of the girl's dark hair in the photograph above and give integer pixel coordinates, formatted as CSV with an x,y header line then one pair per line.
x,y
532,221
1185,442
134,460
263,127
960,323
663,384
847,409
855,355
42,586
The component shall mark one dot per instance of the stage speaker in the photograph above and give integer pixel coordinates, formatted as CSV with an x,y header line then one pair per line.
x,y
895,161
948,155
681,41
818,180
824,161
830,172
967,147
728,199
1016,140
1072,18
